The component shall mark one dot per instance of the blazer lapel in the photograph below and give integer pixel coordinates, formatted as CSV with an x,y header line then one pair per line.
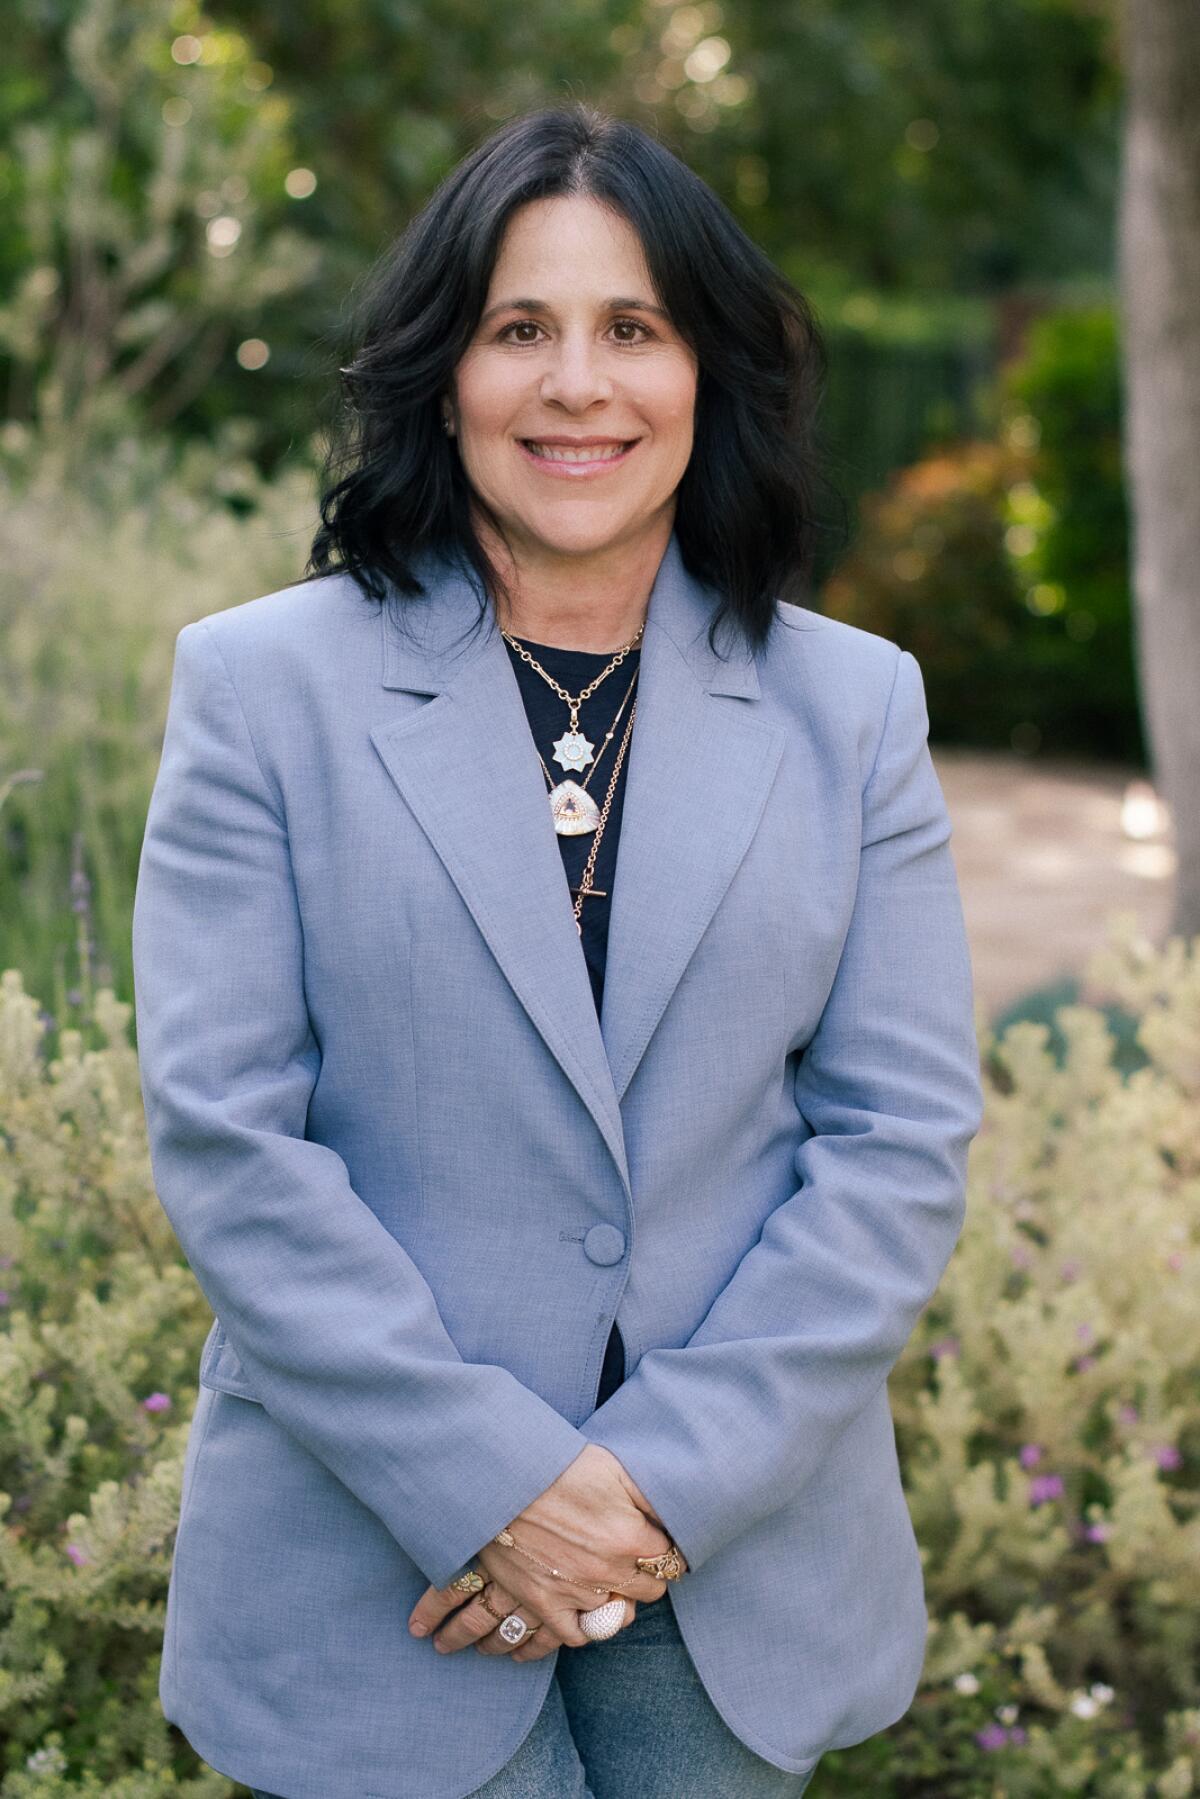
x,y
699,770
700,767
466,764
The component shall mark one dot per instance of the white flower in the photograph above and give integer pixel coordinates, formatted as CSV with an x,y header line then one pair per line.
x,y
47,1761
966,1683
1084,1706
1102,1693
1008,1714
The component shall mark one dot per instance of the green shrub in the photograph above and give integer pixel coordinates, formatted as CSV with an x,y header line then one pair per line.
x,y
1048,1418
1003,566
1047,1408
100,1326
98,579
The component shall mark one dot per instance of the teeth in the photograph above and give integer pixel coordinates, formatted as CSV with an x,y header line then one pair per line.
x,y
594,452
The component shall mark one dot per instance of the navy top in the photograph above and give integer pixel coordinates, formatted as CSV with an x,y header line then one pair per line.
x,y
549,717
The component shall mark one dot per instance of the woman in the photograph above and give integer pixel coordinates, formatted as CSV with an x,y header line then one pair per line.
x,y
560,1232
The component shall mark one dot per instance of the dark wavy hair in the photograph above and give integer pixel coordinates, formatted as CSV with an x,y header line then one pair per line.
x,y
393,485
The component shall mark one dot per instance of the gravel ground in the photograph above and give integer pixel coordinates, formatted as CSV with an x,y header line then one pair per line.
x,y
1045,852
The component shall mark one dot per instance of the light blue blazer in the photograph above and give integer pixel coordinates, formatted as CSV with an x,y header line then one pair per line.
x,y
417,1179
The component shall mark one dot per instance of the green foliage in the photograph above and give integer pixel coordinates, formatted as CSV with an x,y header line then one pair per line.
x,y
1047,1410
145,226
1074,546
101,1323
1048,1420
100,574
1003,565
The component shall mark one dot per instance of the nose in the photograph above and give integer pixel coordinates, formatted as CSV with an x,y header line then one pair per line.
x,y
575,376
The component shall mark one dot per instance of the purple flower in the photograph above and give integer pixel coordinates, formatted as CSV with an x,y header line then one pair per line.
x,y
1083,1363
995,1736
1045,1486
3,1296
1098,1532
1128,1414
1167,1456
74,996
1031,1455
1084,1333
157,1402
1021,1257
79,1556
945,1346
1071,1269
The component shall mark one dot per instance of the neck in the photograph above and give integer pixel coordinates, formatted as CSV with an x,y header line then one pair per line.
x,y
594,602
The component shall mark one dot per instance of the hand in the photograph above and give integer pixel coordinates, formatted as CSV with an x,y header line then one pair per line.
x,y
593,1522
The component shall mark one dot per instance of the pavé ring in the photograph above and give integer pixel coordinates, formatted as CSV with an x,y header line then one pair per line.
x,y
511,1626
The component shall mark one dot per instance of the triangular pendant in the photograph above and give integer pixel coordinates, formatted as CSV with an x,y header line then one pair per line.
x,y
573,809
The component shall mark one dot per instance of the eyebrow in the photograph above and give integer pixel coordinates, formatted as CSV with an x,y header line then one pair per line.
x,y
618,304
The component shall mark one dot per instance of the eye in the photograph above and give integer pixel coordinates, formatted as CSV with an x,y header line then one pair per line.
x,y
532,325
521,325
637,325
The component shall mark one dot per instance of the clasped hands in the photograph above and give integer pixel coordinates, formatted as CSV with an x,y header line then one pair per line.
x,y
592,1522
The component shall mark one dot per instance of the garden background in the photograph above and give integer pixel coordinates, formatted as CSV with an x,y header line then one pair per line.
x,y
994,206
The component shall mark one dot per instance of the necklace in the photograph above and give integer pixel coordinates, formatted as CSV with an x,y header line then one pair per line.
x,y
572,807
572,749
585,890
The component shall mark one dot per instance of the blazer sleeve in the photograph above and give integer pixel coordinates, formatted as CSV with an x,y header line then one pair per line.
x,y
728,1427
338,1331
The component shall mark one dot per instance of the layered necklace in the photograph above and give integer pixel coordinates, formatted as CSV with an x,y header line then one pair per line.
x,y
572,808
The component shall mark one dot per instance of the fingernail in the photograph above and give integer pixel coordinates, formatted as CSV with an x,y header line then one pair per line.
x,y
418,1629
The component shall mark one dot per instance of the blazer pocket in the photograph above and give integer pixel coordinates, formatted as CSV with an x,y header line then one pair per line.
x,y
220,1367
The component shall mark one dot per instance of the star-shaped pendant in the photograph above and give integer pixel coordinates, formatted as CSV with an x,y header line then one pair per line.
x,y
573,750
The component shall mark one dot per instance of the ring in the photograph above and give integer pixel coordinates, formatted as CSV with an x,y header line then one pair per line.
x,y
667,1566
603,1620
466,1584
512,1627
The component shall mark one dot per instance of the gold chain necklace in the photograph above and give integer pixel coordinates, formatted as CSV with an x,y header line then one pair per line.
x,y
572,807
585,890
572,749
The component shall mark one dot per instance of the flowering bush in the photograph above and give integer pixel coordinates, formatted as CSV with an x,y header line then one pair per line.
x,y
100,1324
1048,1419
1047,1408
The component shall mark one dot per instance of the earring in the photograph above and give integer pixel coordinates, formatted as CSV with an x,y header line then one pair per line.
x,y
447,423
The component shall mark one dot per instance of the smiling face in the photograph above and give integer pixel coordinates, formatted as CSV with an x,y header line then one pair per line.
x,y
573,405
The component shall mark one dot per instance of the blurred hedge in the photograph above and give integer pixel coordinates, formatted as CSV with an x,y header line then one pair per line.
x,y
99,576
1003,564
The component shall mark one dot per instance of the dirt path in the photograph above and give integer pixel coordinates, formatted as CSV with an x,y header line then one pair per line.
x,y
1045,852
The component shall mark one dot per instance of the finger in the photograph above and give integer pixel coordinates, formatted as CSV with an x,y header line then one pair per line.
x,y
538,1639
544,1644
475,1621
434,1604
535,1651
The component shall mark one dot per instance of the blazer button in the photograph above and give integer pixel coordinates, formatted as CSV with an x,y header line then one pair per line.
x,y
605,1244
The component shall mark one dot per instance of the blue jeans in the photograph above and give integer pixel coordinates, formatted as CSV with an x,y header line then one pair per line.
x,y
630,1719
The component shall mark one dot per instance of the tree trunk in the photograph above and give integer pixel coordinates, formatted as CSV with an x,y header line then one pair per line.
x,y
1159,276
